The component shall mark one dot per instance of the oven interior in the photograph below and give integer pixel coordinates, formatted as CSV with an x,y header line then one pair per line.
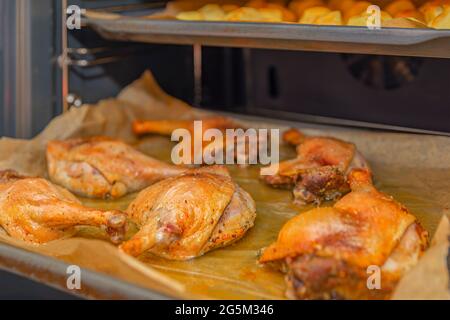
x,y
373,91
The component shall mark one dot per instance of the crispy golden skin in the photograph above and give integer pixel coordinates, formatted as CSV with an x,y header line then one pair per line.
x,y
318,173
101,167
327,250
186,216
166,127
37,211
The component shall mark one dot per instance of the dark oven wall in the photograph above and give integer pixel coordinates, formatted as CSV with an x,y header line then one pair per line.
x,y
398,91
363,90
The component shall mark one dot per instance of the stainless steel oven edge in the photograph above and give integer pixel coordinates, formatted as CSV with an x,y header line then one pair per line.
x,y
53,273
28,69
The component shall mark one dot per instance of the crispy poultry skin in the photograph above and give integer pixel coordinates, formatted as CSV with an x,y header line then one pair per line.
x,y
228,144
101,167
36,211
184,217
166,127
319,171
326,251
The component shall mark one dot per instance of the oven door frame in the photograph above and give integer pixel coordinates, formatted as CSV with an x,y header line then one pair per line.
x,y
29,73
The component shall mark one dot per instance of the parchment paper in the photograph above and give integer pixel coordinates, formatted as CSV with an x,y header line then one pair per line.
x,y
415,169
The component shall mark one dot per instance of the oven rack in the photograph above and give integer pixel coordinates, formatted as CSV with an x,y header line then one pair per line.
x,y
386,41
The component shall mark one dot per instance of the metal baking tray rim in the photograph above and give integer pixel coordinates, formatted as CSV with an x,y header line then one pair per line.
x,y
276,31
53,273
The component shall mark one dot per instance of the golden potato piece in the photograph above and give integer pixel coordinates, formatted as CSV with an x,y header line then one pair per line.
x,y
243,14
262,6
342,5
190,16
333,18
398,6
310,15
431,10
227,8
358,8
254,15
271,15
361,20
212,12
287,14
442,21
299,6
411,14
256,4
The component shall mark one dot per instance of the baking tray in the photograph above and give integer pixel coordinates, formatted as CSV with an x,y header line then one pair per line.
x,y
386,41
53,273
97,285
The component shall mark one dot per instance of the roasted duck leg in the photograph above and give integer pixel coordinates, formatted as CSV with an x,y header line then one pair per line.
x,y
101,167
228,145
319,171
166,127
37,211
326,252
184,217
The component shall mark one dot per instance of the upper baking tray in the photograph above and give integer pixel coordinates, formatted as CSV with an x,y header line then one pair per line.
x,y
387,41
